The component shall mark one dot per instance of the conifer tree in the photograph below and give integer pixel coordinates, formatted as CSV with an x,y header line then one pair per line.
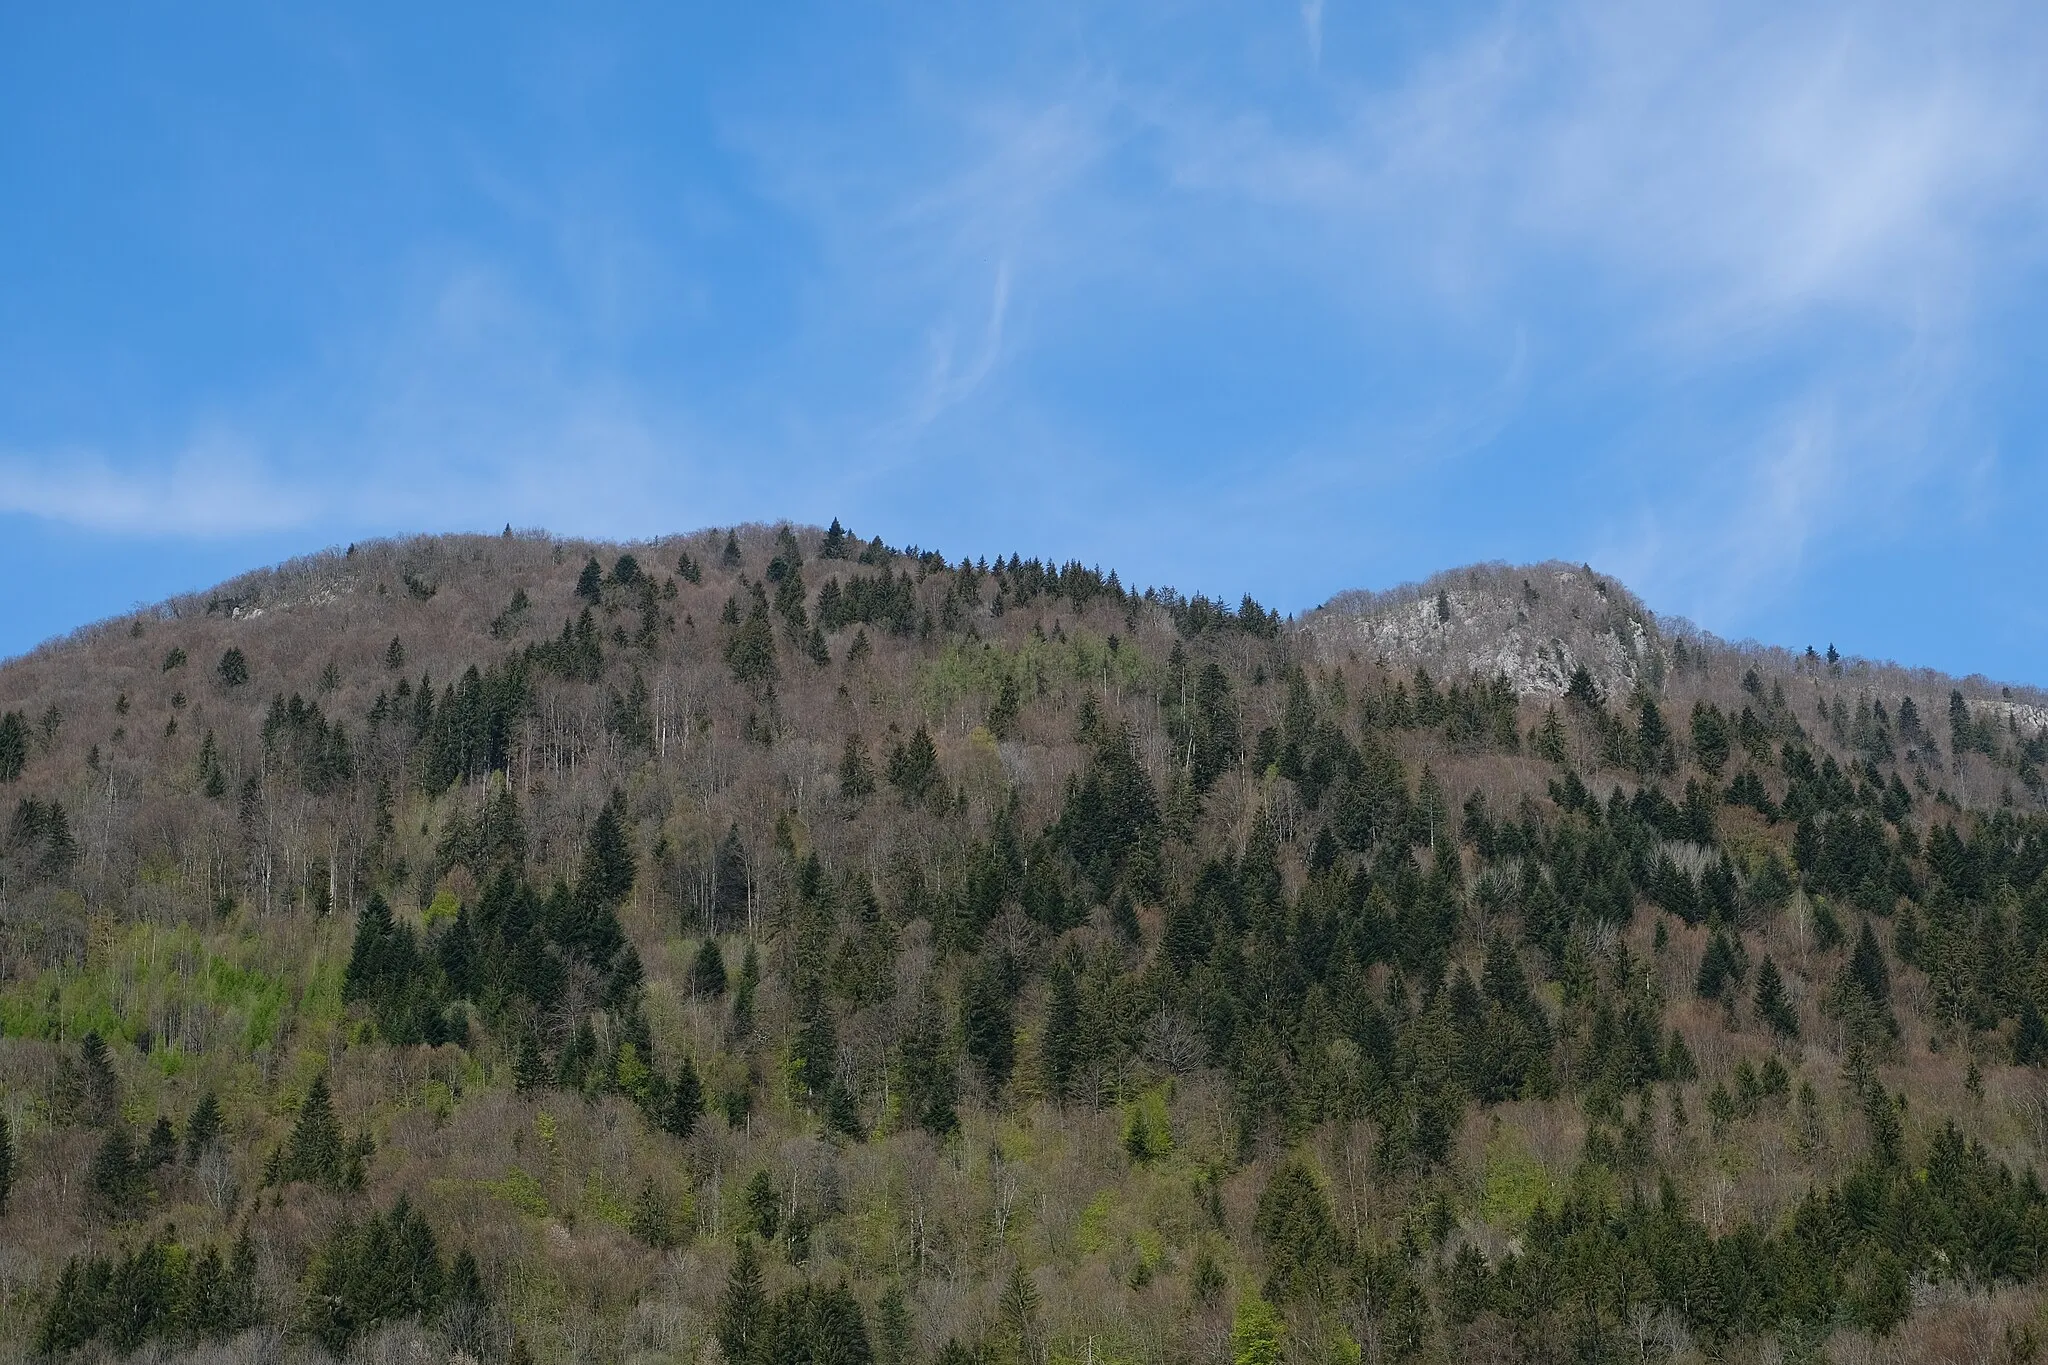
x,y
856,774
986,1025
234,668
315,1152
743,1308
750,653
115,1176
6,1164
685,1101
707,970
14,734
1771,1005
930,1089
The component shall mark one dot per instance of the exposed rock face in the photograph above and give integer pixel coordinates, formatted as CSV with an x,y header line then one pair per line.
x,y
1535,625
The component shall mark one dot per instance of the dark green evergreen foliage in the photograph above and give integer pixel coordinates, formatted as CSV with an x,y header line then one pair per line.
x,y
1582,689
814,1051
856,773
743,1310
689,570
298,739
1868,971
785,574
1110,821
1203,720
685,1101
98,1091
730,555
14,734
116,1177
39,841
652,1221
988,1029
813,1325
402,986
161,1147
730,879
491,837
1192,616
6,1164
886,599
1585,1270
158,1292
1772,1007
506,623
835,543
893,1328
470,730
1305,1254
913,768
203,1129
174,657
1721,968
931,1089
316,1152
1653,737
707,970
606,872
577,654
1004,710
750,652
233,670
394,655
1059,1041
387,1268
590,583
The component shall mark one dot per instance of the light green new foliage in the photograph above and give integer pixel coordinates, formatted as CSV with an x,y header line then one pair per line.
x,y
1257,1333
965,668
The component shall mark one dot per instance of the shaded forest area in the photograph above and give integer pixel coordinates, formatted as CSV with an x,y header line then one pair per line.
x,y
771,946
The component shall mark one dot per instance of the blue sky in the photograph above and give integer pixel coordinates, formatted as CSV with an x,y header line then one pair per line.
x,y
1742,302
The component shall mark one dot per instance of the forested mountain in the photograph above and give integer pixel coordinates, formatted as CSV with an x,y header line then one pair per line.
x,y
771,946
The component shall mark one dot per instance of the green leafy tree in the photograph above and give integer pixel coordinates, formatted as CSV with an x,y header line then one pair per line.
x,y
1258,1336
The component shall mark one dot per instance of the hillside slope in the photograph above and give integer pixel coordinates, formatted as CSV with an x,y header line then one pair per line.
x,y
768,945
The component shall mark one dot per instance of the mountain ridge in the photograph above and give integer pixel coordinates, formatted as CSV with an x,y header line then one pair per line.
x,y
770,935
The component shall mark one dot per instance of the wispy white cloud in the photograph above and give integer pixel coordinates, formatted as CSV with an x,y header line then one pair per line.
x,y
1312,28
217,485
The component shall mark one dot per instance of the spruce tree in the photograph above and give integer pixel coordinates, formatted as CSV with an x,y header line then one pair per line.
x,y
315,1152
234,668
743,1308
1771,1005
685,1101
986,1024
707,970
856,774
6,1164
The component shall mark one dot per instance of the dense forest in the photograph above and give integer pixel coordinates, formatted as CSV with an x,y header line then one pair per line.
x,y
767,945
